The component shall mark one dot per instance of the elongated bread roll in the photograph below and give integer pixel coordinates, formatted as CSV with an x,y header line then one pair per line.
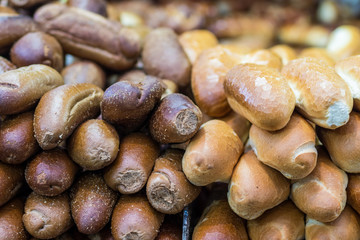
x,y
346,226
321,95
283,222
349,70
290,150
321,195
255,187
260,94
353,191
346,156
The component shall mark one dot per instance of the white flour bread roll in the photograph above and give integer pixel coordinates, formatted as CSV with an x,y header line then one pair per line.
x,y
321,95
321,195
283,222
263,57
342,144
346,226
319,53
349,70
260,94
290,150
344,42
255,187
285,52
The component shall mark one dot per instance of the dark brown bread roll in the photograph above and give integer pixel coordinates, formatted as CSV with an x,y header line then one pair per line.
x,y
92,203
61,110
90,36
37,48
84,72
26,3
168,189
11,180
47,217
6,65
94,144
164,57
11,225
126,104
50,173
20,89
133,165
17,141
95,6
171,229
218,221
175,120
134,218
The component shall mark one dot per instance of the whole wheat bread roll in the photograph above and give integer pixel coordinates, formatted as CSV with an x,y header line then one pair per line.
x,y
283,222
321,95
260,94
321,195
255,187
11,225
290,150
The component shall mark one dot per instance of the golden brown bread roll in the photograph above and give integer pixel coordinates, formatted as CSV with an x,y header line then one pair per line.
x,y
344,42
218,221
208,158
285,52
255,187
290,150
346,226
8,10
321,195
263,57
20,89
11,225
142,221
283,222
341,143
11,180
47,217
130,170
239,124
164,57
353,191
61,110
260,94
349,70
170,87
6,65
17,141
92,203
167,188
319,53
195,41
321,95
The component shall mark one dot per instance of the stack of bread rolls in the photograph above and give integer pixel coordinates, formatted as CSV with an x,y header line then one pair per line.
x,y
119,119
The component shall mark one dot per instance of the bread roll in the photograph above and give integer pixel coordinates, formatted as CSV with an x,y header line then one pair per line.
x,y
260,94
6,65
263,57
11,181
95,6
51,172
132,167
346,156
20,89
94,144
343,42
319,53
176,119
239,124
170,87
92,203
321,195
349,70
208,158
285,52
195,41
61,110
171,229
290,150
321,95
27,3
208,76
283,222
255,187
47,217
218,221
142,221
17,141
11,225
346,226
353,191
164,57
167,188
